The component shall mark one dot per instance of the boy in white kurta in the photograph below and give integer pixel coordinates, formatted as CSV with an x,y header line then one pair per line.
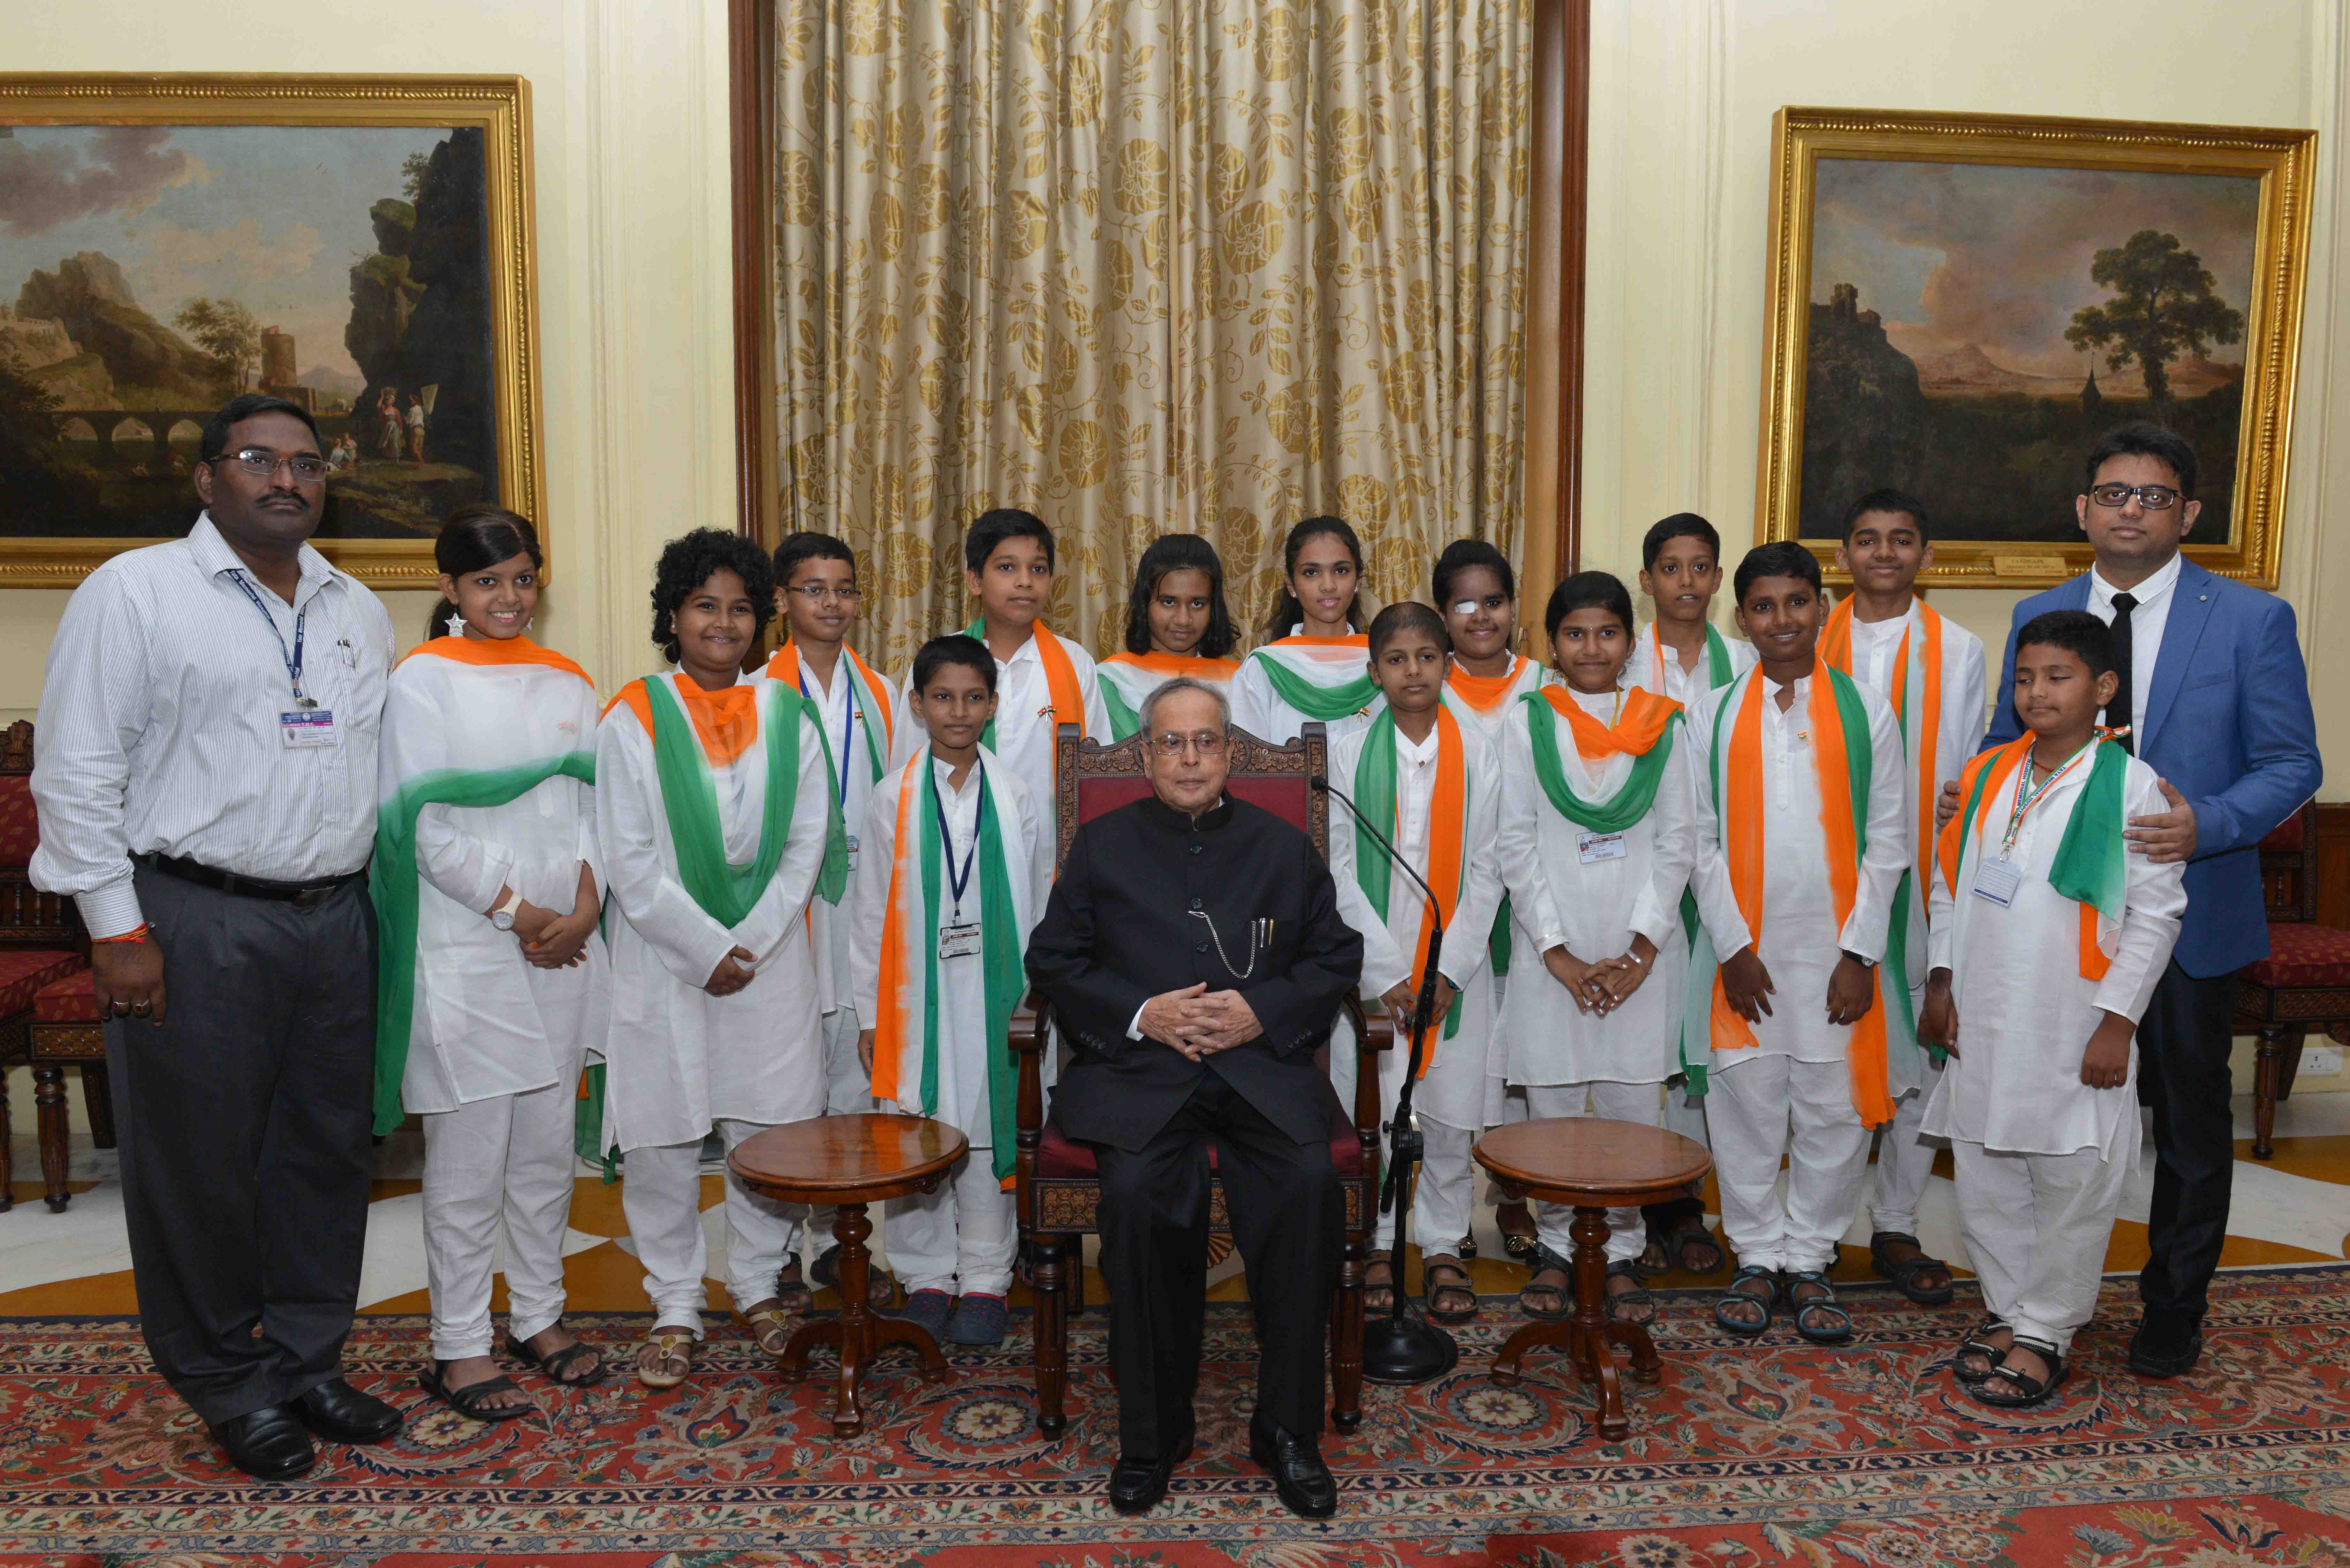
x,y
2049,934
495,977
717,820
1930,669
956,864
1430,783
1802,807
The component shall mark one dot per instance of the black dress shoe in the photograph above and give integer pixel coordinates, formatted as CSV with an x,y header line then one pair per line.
x,y
2166,1345
1295,1463
1137,1484
268,1443
335,1410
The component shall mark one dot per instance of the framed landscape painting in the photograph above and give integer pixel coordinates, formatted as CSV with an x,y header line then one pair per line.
x,y
361,245
1959,305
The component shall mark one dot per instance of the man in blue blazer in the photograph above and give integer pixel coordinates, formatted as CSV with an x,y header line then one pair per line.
x,y
2217,698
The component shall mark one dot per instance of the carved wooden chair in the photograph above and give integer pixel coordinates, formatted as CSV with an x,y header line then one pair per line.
x,y
2303,984
1058,1191
43,953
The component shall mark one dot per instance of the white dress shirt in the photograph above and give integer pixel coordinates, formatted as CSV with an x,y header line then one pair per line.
x,y
159,725
2146,621
1874,644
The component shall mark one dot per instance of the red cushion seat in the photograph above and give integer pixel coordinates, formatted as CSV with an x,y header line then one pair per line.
x,y
25,970
2300,954
1062,1156
71,1000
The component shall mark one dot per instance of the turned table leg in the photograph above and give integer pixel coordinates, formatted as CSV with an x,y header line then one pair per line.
x,y
858,1333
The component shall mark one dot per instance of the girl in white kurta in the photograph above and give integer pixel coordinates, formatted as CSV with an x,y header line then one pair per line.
x,y
1437,798
717,821
495,980
1176,625
955,869
1315,668
2049,935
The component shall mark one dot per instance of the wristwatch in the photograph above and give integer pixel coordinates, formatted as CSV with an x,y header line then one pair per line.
x,y
1863,963
503,917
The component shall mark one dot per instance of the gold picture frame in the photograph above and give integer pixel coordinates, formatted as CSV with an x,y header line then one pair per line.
x,y
468,162
2000,225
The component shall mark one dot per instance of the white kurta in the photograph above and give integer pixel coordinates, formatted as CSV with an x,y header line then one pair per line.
x,y
679,1057
1659,668
1024,722
960,999
2025,1013
1454,1089
853,778
487,1022
1593,907
1800,942
1260,710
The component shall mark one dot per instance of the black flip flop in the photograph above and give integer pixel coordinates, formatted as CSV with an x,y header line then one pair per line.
x,y
555,1364
1903,1273
466,1401
1546,1260
1731,1296
2031,1391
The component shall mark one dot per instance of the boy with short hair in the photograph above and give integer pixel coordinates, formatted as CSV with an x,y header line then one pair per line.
x,y
2047,932
1430,784
957,860
1803,809
1042,681
1930,671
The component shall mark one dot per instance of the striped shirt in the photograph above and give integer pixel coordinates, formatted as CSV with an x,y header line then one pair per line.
x,y
159,729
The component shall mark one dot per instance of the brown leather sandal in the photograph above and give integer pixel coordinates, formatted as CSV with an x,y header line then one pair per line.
x,y
1457,1285
1385,1264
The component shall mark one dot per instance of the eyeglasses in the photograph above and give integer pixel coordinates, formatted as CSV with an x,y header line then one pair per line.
x,y
261,463
1207,742
2153,497
1493,602
817,594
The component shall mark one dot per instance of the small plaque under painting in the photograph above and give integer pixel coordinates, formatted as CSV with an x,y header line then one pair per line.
x,y
2028,567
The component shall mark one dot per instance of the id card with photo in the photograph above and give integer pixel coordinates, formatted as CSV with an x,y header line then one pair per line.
x,y
1594,848
960,941
304,728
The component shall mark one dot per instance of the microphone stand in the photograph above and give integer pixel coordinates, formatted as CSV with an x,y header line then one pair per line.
x,y
1403,1346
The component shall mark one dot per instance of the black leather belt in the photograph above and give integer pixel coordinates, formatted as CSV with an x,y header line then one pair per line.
x,y
202,876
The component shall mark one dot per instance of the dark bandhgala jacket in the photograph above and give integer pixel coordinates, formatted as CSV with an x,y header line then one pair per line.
x,y
1124,925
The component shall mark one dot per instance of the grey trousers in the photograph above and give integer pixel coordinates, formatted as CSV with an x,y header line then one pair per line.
x,y
243,1121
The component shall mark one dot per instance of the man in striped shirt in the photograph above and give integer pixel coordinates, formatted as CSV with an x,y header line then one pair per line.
x,y
206,783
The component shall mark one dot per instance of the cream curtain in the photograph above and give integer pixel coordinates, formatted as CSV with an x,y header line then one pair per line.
x,y
1201,266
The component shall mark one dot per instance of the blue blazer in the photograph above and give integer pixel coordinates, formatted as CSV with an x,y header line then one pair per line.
x,y
2228,722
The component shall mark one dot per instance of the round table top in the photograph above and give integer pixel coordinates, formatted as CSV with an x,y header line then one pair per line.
x,y
1586,1155
846,1155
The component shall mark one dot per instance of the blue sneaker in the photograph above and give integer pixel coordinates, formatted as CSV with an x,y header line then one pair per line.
x,y
930,1308
978,1319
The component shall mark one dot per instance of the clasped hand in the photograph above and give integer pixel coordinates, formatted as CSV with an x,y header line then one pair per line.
x,y
1602,985
1198,1021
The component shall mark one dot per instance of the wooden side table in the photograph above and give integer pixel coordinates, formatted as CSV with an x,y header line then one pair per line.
x,y
850,1160
1594,1166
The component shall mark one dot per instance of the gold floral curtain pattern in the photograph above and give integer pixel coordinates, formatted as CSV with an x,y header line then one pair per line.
x,y
1142,266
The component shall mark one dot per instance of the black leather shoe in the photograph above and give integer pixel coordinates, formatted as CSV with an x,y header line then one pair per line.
x,y
1137,1484
268,1443
2166,1345
336,1411
1295,1463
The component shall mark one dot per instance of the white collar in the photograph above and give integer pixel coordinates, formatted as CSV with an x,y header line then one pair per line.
x,y
2164,579
214,555
1421,752
945,770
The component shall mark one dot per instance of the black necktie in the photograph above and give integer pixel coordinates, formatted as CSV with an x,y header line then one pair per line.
x,y
2118,715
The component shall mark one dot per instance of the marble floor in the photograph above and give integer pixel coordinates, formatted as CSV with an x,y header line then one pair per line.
x,y
2294,1208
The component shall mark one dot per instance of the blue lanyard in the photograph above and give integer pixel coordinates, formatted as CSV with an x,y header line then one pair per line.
x,y
959,880
294,660
848,726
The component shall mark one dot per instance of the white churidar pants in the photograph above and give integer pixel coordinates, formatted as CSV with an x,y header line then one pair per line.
x,y
1628,1234
1760,1107
506,1159
958,1237
2036,1226
661,1194
1443,1192
1904,1158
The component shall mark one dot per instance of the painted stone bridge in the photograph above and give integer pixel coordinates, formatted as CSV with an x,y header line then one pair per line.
x,y
105,427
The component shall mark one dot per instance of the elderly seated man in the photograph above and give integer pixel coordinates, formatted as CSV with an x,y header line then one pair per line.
x,y
1194,956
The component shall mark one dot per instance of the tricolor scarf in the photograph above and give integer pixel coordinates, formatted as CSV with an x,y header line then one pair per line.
x,y
1841,750
1719,673
1487,696
2092,864
1448,822
1060,682
906,1035
1697,1010
1309,674
394,880
1643,732
872,695
1126,679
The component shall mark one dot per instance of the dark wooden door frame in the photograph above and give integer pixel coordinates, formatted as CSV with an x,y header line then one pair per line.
x,y
1560,114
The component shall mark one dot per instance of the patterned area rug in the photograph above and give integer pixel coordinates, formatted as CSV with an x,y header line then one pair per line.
x,y
1747,1456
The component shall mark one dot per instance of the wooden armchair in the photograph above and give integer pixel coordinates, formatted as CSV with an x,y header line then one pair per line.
x,y
2303,984
1058,1193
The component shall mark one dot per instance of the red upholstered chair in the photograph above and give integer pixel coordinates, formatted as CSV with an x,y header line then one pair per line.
x,y
2303,984
41,947
1058,1191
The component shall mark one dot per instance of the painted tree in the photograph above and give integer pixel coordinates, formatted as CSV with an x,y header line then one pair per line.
x,y
2163,306
227,331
